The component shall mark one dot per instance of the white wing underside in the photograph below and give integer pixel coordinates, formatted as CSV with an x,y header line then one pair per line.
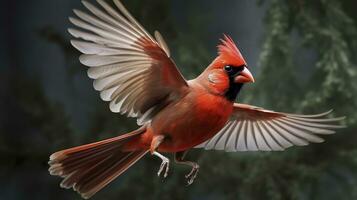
x,y
247,132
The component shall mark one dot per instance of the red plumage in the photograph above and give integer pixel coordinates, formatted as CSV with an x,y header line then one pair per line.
x,y
230,52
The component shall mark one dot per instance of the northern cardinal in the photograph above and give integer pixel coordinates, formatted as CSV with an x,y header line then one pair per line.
x,y
134,71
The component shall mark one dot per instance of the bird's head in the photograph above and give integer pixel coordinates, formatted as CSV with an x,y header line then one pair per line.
x,y
231,61
229,71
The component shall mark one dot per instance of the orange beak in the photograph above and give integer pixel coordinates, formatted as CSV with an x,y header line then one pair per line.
x,y
244,77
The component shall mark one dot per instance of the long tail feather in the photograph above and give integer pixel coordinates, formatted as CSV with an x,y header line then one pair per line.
x,y
91,167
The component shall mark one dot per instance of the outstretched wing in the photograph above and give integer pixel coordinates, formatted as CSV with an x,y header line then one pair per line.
x,y
130,68
255,129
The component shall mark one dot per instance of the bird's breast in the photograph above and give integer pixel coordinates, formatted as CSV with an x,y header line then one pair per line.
x,y
192,120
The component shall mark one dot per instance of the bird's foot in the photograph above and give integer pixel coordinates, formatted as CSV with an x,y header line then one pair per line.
x,y
165,165
193,174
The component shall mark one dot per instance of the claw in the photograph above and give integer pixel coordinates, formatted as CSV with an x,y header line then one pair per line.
x,y
193,174
165,165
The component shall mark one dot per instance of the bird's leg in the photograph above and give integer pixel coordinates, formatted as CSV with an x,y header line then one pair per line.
x,y
164,167
179,158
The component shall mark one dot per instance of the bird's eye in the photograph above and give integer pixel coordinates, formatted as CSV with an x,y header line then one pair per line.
x,y
228,68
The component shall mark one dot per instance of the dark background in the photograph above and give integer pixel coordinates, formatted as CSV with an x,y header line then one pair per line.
x,y
303,56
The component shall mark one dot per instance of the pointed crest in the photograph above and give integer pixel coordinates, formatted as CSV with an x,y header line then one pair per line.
x,y
229,51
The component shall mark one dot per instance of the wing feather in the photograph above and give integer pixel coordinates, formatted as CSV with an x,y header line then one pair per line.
x,y
308,128
102,50
300,133
104,26
105,17
132,19
232,140
112,37
260,139
222,142
251,143
162,43
272,142
130,68
120,19
105,71
290,137
106,95
241,143
310,124
277,136
252,128
212,143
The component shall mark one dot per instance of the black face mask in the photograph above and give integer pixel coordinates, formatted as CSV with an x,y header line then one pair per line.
x,y
234,87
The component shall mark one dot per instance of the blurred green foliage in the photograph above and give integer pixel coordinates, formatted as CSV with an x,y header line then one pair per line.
x,y
324,171
326,29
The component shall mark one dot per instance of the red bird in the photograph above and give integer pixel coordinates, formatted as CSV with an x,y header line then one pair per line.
x,y
134,71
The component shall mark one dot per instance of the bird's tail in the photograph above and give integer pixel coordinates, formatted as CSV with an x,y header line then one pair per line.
x,y
91,167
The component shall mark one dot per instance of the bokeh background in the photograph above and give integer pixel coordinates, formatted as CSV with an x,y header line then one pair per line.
x,y
303,54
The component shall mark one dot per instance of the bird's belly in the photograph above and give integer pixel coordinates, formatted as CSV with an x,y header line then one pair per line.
x,y
191,123
190,134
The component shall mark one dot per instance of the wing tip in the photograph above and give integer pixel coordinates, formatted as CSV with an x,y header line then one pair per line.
x,y
162,43
74,43
76,11
82,59
84,2
71,31
77,44
341,118
88,5
72,20
113,107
